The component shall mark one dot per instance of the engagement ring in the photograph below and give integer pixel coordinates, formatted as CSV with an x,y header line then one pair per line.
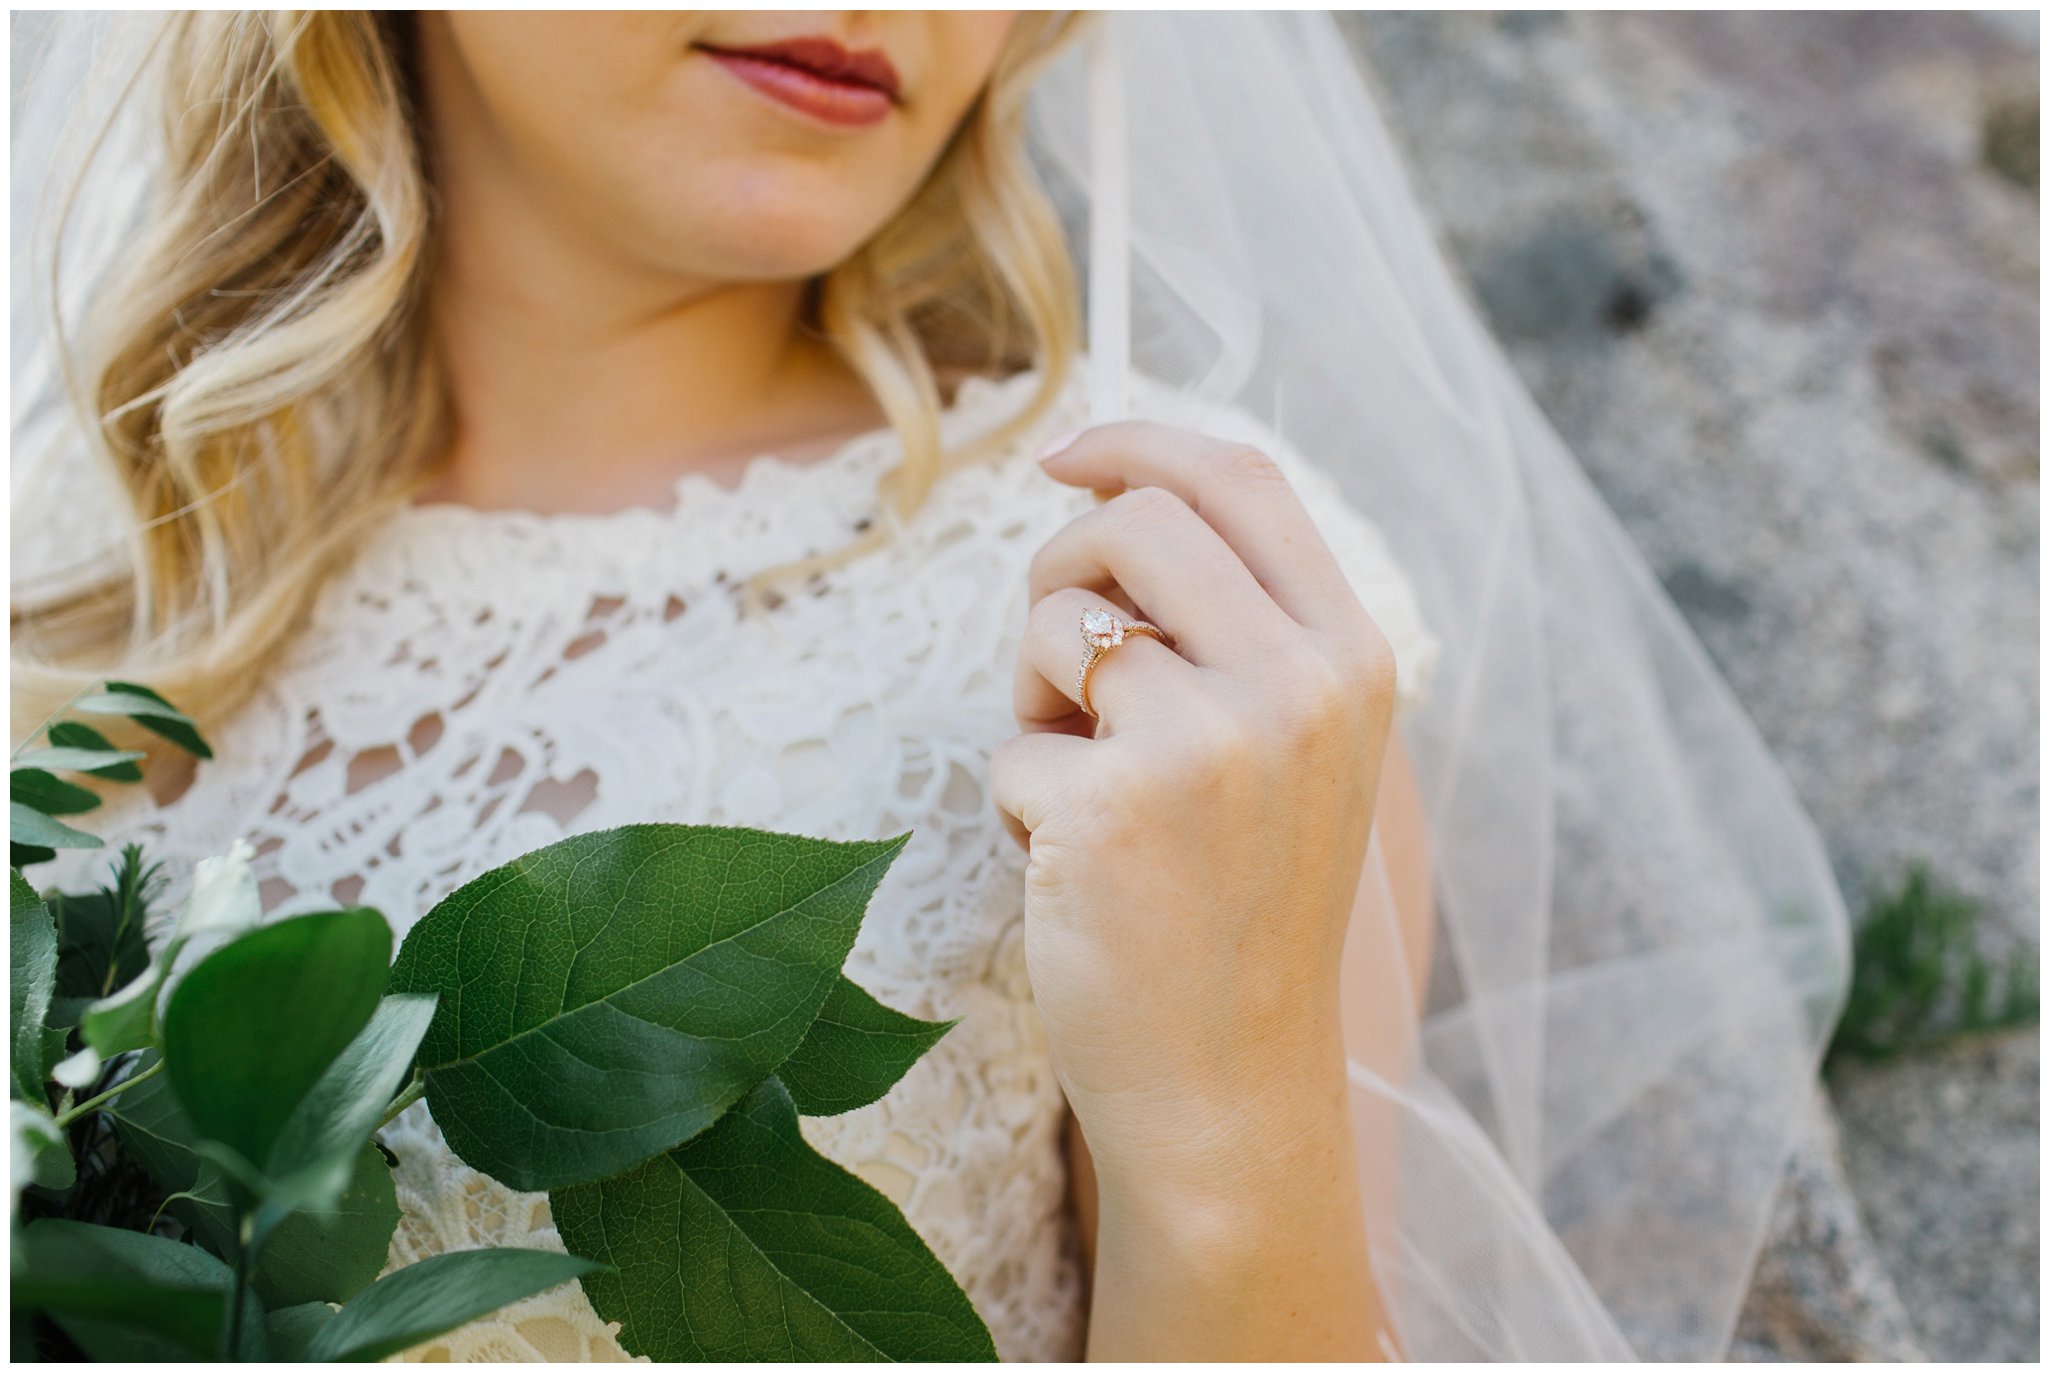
x,y
1102,631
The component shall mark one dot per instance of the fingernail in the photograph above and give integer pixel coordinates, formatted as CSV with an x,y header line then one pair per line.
x,y
1057,445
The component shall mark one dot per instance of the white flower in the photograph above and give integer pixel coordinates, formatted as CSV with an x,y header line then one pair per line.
x,y
223,903
223,894
79,1070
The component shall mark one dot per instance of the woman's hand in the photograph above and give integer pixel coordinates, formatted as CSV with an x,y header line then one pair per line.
x,y
1193,868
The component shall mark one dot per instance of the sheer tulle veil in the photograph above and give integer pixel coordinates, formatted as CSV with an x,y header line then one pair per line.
x,y
1640,946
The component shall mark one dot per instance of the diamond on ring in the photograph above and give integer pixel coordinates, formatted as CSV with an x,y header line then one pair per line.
x,y
1103,631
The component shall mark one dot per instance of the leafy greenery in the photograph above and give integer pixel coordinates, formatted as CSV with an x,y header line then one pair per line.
x,y
854,1052
200,1147
437,1295
36,796
633,1018
1918,978
617,1011
327,1253
611,995
784,1255
151,711
237,1078
32,981
128,1296
100,944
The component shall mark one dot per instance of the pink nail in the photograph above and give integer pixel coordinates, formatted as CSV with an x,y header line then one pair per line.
x,y
1057,445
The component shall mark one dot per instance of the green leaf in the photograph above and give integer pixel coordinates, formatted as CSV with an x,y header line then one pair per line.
x,y
127,1019
854,1052
611,995
28,826
335,1118
124,1021
100,943
745,1244
38,790
93,760
23,855
149,710
56,1041
124,1319
32,977
292,1329
255,1023
329,1254
156,1131
434,1296
73,734
65,1010
123,1295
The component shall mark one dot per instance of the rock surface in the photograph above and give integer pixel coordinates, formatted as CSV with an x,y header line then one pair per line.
x,y
1774,279
1819,1293
1953,1123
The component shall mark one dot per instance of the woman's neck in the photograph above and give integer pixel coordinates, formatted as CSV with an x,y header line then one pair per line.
x,y
582,380
561,408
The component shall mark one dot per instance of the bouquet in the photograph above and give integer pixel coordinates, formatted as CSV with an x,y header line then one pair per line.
x,y
631,1020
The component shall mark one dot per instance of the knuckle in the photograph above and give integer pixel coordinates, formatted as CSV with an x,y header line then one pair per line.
x,y
1373,663
1319,688
1334,680
1246,465
1143,509
1218,743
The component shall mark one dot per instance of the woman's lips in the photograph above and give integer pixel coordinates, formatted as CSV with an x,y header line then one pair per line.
x,y
816,76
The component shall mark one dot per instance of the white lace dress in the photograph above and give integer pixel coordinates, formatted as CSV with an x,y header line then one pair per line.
x,y
482,683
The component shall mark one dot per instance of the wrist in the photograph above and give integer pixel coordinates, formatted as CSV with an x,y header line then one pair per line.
x,y
1218,1168
1260,1254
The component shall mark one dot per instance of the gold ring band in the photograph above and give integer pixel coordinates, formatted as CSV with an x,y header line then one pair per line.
x,y
1102,631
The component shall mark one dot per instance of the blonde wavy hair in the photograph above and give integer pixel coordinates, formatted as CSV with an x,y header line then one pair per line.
x,y
259,379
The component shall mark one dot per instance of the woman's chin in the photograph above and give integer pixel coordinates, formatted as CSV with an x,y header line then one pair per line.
x,y
771,253
771,216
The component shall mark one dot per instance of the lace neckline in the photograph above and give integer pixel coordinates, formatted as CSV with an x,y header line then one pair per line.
x,y
473,561
690,493
849,469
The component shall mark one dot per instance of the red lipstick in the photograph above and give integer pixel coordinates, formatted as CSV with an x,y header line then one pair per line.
x,y
816,76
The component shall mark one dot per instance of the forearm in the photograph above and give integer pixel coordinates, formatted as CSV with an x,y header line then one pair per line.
x,y
1259,1254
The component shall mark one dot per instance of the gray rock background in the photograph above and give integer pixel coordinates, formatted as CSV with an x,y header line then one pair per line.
x,y
1774,279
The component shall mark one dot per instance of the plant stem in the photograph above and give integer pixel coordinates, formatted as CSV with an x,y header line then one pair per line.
x,y
51,719
231,1337
415,1089
87,1107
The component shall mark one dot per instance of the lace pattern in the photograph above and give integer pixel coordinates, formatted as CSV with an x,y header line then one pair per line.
x,y
480,683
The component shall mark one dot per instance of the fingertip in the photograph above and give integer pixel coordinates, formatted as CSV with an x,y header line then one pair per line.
x,y
1057,445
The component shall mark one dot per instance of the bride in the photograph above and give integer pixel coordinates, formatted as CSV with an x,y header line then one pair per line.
x,y
540,422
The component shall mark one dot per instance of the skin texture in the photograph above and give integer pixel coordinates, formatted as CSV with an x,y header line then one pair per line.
x,y
625,235
620,216
1400,823
1183,931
